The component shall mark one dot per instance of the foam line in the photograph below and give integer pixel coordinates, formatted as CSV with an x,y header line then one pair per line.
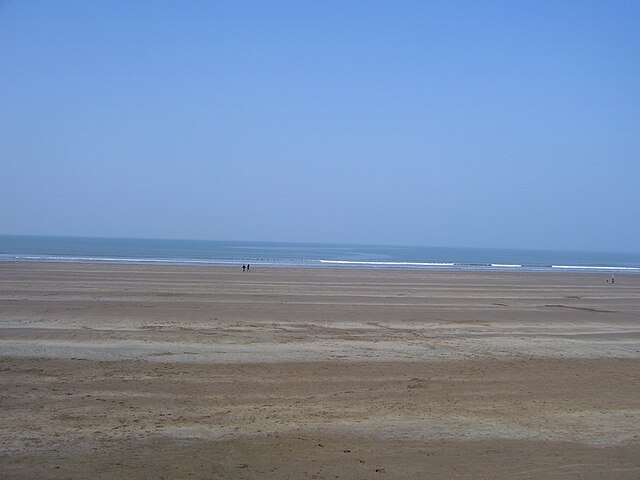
x,y
584,267
420,264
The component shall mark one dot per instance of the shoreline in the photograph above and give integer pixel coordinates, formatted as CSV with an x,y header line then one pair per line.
x,y
331,264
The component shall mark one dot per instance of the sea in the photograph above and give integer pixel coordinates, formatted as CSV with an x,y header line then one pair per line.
x,y
23,248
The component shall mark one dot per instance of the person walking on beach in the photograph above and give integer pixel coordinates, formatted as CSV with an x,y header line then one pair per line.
x,y
248,267
243,267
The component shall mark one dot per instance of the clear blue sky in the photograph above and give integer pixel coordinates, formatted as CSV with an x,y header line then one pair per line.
x,y
488,124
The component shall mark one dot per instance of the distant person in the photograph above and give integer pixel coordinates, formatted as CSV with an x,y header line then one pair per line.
x,y
243,268
248,267
613,280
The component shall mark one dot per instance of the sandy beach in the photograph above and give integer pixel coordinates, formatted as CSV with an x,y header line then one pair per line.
x,y
129,371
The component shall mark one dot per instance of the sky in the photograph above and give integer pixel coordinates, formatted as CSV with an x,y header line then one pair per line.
x,y
499,124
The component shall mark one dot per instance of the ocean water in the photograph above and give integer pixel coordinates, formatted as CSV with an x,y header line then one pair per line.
x,y
277,254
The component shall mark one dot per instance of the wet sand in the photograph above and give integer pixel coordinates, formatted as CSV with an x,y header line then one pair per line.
x,y
114,371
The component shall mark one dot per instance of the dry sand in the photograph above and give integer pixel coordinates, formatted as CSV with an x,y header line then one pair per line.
x,y
114,371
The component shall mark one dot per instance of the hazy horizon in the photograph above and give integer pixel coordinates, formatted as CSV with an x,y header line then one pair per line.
x,y
238,241
441,124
